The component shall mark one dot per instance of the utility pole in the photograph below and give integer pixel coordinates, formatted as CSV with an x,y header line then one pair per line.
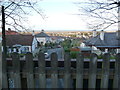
x,y
0,58
3,32
4,66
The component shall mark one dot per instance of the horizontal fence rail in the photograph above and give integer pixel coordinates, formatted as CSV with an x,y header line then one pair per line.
x,y
79,73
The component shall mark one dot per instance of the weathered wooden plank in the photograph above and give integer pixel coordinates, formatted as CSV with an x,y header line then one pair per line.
x,y
29,70
41,70
16,70
116,80
11,79
4,72
92,71
54,66
118,57
67,70
79,70
105,70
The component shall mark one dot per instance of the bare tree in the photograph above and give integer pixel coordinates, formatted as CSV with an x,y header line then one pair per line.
x,y
100,14
17,11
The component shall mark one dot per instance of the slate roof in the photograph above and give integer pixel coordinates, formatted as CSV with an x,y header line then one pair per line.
x,y
42,34
110,40
25,40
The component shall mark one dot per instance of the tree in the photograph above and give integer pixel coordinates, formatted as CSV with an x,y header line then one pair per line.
x,y
17,11
100,14
66,44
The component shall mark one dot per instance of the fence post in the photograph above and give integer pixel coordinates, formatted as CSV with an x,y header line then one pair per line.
x,y
92,71
54,66
4,72
116,80
67,67
41,70
29,70
105,71
16,70
79,70
118,57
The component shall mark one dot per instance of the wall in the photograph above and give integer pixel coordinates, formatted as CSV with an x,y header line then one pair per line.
x,y
34,44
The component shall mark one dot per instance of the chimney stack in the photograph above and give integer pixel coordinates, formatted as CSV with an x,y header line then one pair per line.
x,y
9,29
118,37
118,34
94,33
42,30
102,34
33,33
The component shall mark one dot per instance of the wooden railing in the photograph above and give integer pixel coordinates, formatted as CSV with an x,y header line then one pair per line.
x,y
67,73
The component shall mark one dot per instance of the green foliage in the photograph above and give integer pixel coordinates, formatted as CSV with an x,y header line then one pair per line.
x,y
112,57
100,57
22,54
75,42
66,49
51,44
66,44
73,54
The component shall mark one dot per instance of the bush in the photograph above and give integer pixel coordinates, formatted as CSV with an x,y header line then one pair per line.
x,y
100,57
73,54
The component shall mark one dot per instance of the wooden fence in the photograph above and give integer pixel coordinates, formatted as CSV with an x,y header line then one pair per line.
x,y
67,73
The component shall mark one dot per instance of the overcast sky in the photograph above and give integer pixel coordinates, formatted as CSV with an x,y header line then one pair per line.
x,y
60,15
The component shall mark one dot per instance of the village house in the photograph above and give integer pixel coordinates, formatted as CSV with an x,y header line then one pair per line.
x,y
105,41
16,42
19,43
40,39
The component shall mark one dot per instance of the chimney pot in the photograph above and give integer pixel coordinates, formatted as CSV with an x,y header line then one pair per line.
x,y
94,33
9,29
102,34
33,33
42,30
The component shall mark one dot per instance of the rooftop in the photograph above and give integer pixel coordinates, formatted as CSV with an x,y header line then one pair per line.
x,y
25,40
110,40
41,34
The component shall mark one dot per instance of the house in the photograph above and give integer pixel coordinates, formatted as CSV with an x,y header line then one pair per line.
x,y
9,32
19,43
40,39
105,41
57,39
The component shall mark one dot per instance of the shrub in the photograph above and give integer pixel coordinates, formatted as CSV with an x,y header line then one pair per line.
x,y
73,54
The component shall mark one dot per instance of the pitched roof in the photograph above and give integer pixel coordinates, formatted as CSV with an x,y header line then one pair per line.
x,y
25,40
42,34
10,32
110,40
